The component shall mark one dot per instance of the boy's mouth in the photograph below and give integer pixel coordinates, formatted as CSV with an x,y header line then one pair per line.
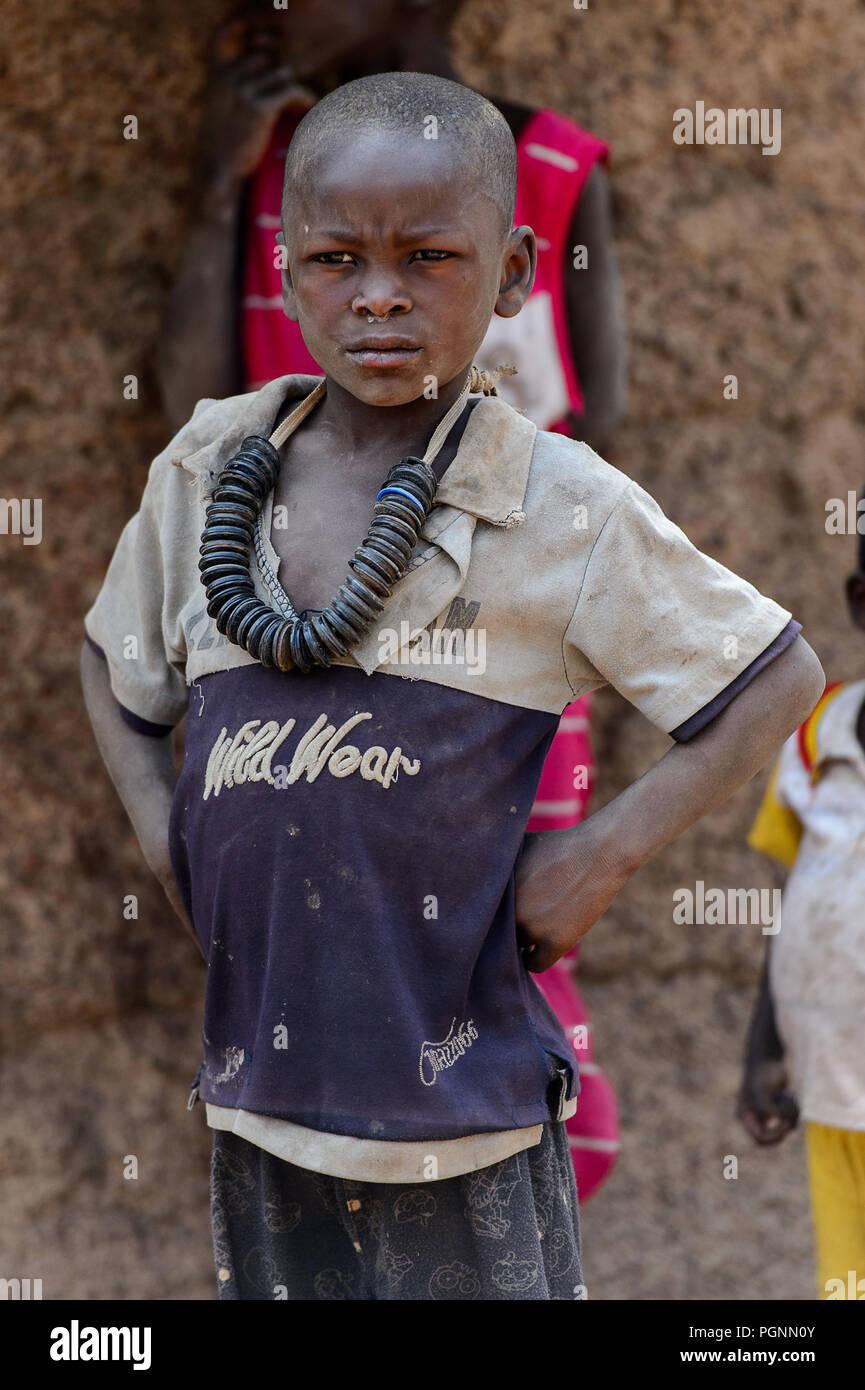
x,y
383,352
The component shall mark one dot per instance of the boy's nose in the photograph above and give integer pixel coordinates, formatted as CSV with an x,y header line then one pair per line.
x,y
381,302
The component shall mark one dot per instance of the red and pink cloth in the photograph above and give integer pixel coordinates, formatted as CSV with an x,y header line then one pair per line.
x,y
555,157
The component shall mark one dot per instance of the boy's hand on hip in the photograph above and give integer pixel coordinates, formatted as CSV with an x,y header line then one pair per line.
x,y
564,882
566,879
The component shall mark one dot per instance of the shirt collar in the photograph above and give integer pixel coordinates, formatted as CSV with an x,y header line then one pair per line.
x,y
487,477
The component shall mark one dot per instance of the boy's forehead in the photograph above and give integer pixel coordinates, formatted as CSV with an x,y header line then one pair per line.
x,y
388,180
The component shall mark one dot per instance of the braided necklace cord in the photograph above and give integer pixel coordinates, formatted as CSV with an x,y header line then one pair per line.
x,y
402,506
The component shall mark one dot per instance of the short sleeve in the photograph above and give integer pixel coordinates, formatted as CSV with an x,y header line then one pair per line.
x,y
667,626
132,620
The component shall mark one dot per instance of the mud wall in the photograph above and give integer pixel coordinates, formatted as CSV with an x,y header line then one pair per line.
x,y
734,263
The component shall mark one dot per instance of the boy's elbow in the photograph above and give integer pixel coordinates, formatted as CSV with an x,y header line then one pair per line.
x,y
807,679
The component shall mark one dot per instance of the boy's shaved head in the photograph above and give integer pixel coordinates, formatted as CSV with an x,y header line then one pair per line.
x,y
417,104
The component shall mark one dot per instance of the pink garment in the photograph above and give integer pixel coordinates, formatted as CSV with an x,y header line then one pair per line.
x,y
566,779
561,801
555,157
593,1132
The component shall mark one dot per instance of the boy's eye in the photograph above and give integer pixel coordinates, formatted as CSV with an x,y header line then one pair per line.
x,y
346,258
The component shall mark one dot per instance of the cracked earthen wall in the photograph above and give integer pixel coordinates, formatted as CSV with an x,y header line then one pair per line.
x,y
733,262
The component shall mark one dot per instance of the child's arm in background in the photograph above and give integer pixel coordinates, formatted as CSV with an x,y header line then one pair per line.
x,y
566,879
142,770
766,1106
248,89
596,316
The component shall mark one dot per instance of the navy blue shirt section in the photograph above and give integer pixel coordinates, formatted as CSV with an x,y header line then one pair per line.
x,y
350,876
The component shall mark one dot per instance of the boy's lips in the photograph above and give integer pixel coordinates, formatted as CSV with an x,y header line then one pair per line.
x,y
383,352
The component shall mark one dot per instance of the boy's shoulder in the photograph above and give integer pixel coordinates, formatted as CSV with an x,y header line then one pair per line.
x,y
216,428
506,469
559,455
569,471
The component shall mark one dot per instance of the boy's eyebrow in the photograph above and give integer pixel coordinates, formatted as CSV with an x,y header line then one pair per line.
x,y
341,234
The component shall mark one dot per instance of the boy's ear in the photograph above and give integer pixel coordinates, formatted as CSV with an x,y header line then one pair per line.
x,y
519,263
289,303
855,587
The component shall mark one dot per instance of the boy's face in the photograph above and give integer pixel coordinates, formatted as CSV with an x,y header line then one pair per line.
x,y
393,225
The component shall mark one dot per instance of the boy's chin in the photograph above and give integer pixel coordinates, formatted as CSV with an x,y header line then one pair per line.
x,y
387,388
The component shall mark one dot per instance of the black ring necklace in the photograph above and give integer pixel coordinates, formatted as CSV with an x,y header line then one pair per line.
x,y
402,506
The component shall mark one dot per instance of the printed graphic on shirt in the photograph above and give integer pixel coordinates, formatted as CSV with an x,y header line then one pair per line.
x,y
248,756
202,633
347,857
435,1057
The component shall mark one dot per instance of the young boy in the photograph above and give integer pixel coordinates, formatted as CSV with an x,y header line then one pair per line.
x,y
386,1083
811,1001
225,330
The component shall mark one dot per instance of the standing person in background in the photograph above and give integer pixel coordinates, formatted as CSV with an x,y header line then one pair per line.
x,y
225,330
804,1053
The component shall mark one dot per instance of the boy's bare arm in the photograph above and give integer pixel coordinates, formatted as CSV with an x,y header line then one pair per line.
x,y
566,879
142,770
596,316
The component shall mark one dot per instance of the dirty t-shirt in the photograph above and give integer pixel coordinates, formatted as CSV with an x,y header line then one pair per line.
x,y
346,842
